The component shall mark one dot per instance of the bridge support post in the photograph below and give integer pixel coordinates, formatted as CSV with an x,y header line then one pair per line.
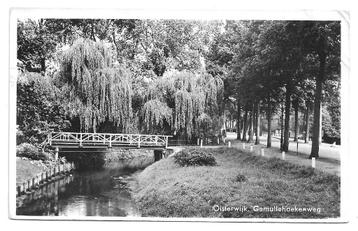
x,y
56,153
158,155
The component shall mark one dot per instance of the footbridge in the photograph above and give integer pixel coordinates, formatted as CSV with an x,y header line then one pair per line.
x,y
105,140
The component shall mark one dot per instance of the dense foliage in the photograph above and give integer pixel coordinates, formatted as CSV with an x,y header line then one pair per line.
x,y
31,152
186,101
185,78
38,108
95,89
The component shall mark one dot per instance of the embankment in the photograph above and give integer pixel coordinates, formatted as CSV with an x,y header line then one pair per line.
x,y
257,187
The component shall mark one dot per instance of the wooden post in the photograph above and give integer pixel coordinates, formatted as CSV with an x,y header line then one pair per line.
x,y
24,186
198,141
81,140
262,152
313,162
229,144
50,138
201,143
47,175
37,180
283,155
139,141
166,141
56,153
29,185
110,141
243,146
251,148
43,177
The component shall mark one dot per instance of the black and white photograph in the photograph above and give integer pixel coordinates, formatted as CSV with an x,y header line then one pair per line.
x,y
160,118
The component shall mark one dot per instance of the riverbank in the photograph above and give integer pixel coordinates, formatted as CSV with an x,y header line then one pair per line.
x,y
27,169
257,187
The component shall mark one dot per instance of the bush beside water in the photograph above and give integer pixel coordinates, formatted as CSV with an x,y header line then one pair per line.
x,y
31,152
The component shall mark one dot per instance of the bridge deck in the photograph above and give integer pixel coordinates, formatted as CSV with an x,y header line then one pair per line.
x,y
105,140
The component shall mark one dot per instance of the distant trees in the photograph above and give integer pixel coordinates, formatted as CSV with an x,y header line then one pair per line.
x,y
277,62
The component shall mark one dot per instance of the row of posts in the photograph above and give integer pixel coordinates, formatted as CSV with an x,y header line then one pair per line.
x,y
44,177
262,151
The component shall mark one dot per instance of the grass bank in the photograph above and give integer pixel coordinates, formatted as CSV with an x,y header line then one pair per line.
x,y
27,169
239,180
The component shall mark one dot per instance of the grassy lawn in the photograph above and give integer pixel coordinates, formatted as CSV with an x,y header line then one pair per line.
x,y
239,180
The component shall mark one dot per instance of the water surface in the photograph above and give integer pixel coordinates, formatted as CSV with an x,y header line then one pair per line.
x,y
103,192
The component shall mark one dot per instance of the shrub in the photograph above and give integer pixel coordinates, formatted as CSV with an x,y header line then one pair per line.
x,y
240,178
30,151
195,157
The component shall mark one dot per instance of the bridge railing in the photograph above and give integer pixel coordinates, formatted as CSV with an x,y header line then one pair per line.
x,y
110,139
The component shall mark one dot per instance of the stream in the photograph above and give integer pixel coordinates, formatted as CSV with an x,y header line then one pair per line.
x,y
104,192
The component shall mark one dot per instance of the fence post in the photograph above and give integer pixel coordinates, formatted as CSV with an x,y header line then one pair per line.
x,y
81,140
313,162
50,138
24,186
262,152
251,148
243,145
110,141
138,141
56,153
283,155
229,144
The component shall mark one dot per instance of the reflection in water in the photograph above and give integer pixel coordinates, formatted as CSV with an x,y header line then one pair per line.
x,y
92,193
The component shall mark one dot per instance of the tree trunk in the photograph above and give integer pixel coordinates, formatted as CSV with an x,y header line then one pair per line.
x,y
296,122
252,116
269,124
94,126
245,125
307,125
320,124
238,130
287,118
43,65
282,125
317,108
257,141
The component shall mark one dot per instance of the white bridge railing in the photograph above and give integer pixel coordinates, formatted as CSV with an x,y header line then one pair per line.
x,y
109,139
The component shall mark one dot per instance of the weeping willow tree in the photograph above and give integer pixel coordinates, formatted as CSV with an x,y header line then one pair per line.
x,y
96,91
156,114
191,98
